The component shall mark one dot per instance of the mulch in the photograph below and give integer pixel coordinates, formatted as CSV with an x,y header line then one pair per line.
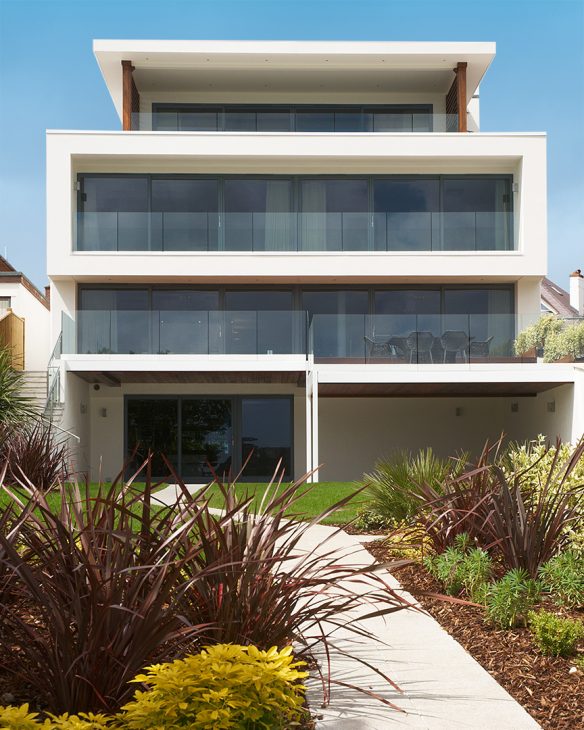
x,y
543,685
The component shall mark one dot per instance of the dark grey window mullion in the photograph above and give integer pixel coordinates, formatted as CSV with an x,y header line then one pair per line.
x,y
440,213
221,213
149,214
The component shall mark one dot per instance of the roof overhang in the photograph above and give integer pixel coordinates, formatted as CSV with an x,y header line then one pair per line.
x,y
291,66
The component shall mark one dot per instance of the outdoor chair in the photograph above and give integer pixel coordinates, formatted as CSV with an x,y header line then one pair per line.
x,y
455,342
480,348
420,344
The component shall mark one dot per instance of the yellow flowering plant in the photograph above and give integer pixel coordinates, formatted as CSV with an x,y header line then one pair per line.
x,y
224,686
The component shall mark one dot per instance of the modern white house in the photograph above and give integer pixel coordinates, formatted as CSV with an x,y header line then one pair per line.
x,y
306,251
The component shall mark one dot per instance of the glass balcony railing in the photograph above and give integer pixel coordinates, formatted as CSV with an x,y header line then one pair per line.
x,y
105,332
291,231
428,339
406,339
340,122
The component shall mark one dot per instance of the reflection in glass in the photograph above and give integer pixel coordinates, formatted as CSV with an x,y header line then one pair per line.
x,y
152,425
476,213
406,214
184,214
336,335
259,322
258,215
114,321
181,320
334,214
206,437
266,437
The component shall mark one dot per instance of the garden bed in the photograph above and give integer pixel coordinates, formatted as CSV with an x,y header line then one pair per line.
x,y
543,685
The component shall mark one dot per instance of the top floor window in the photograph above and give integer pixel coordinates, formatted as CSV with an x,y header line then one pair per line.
x,y
296,118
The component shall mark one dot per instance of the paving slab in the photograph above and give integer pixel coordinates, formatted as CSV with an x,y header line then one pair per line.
x,y
442,686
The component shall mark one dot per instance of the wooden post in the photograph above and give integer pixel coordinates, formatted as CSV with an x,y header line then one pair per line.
x,y
127,83
461,95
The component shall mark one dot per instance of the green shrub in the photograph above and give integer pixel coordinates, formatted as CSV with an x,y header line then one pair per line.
x,y
394,482
536,335
509,600
563,577
370,519
567,342
460,569
555,636
476,571
225,686
534,460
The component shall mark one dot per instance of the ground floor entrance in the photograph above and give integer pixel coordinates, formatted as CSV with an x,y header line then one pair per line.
x,y
204,434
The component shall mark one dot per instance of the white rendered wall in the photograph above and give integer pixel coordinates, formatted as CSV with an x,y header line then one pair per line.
x,y
76,420
354,432
36,323
107,431
522,155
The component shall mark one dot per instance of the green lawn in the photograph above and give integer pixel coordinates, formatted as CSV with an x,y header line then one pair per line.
x,y
317,500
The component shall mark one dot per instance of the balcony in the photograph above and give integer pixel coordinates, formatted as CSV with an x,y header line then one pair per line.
x,y
382,339
392,119
260,231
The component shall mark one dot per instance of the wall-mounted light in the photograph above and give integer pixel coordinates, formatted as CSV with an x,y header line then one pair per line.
x,y
514,407
83,408
458,411
551,406
103,412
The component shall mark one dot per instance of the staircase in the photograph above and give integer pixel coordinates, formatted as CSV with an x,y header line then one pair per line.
x,y
35,387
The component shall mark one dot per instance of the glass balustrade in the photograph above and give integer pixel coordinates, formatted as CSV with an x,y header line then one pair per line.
x,y
404,339
172,332
416,339
291,231
327,120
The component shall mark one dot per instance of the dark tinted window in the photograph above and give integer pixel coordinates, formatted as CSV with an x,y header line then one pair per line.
x,y
258,215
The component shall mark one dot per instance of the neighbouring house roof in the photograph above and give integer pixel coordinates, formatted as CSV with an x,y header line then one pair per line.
x,y
556,299
9,273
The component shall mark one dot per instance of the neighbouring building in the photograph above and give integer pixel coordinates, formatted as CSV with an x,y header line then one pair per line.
x,y
306,251
24,329
555,300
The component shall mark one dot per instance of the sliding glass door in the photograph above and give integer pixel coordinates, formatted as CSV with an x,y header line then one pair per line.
x,y
204,435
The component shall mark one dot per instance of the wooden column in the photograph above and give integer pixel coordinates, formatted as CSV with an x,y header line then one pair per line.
x,y
456,100
128,87
461,95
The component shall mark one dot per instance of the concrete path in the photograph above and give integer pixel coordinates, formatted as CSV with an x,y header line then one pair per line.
x,y
443,687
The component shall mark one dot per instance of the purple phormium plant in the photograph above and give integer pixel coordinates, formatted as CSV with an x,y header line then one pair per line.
x,y
116,580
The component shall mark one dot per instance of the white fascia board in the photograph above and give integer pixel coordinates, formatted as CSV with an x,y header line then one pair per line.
x,y
241,55
479,373
184,363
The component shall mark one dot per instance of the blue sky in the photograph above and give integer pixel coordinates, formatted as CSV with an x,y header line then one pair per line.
x,y
49,79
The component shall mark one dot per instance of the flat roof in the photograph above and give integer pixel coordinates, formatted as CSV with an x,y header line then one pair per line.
x,y
393,66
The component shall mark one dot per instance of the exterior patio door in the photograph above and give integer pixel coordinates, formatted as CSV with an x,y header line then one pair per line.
x,y
202,435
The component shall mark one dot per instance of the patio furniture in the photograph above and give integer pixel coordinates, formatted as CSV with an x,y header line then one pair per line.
x,y
420,344
377,347
480,348
455,342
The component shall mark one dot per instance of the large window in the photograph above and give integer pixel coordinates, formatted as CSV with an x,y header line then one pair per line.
x,y
334,214
184,214
307,213
258,215
439,323
202,436
296,118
